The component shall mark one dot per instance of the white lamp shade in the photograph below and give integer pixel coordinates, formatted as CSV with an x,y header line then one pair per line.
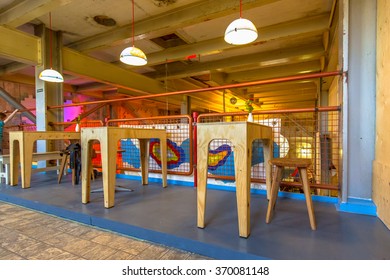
x,y
50,75
241,31
133,56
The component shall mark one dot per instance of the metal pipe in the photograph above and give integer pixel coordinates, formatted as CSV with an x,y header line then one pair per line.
x,y
246,84
280,111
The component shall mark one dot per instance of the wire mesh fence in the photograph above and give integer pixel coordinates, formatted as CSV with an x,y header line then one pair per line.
x,y
179,143
304,133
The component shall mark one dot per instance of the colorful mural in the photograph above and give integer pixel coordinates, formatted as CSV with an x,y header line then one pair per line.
x,y
220,159
221,154
175,155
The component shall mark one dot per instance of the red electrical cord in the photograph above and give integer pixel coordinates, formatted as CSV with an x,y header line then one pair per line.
x,y
133,22
50,43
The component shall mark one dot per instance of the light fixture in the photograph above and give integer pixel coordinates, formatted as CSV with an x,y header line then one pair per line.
x,y
132,55
51,75
241,31
233,100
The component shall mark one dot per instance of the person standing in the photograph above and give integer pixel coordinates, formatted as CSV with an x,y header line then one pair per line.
x,y
3,120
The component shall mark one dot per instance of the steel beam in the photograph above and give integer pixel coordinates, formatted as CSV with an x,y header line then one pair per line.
x,y
85,66
20,46
27,10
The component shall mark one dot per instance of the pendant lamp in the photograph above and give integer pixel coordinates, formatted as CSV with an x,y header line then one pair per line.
x,y
132,55
51,75
241,31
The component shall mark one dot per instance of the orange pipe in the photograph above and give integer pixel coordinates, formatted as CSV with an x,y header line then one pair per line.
x,y
246,84
280,111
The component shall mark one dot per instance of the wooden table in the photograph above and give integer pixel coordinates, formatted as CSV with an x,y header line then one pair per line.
x,y
108,138
241,135
23,153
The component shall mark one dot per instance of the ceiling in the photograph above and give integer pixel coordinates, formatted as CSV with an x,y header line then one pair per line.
x,y
183,40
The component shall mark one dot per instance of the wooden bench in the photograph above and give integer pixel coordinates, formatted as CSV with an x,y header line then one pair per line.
x,y
302,165
56,155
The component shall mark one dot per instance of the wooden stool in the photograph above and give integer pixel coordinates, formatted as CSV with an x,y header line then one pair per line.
x,y
302,165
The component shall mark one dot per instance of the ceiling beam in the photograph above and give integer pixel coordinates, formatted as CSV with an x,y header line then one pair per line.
x,y
302,84
289,105
272,72
294,28
85,66
14,44
12,68
284,93
18,78
294,96
166,23
29,80
294,55
25,11
93,87
20,46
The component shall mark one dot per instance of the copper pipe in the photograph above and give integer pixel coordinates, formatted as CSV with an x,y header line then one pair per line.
x,y
280,111
74,122
152,118
246,84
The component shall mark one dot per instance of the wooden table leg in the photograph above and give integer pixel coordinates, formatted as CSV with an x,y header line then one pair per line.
x,y
108,146
242,164
144,159
14,162
26,151
86,148
202,181
268,150
163,154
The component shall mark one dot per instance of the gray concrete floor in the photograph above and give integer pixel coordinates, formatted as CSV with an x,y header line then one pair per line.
x,y
167,216
31,235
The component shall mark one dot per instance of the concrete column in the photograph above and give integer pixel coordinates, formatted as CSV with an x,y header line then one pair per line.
x,y
360,113
48,94
185,105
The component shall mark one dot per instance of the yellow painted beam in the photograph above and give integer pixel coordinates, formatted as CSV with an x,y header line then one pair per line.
x,y
20,46
19,78
83,65
24,11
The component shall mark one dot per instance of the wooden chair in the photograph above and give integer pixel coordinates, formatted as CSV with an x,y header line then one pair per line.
x,y
302,165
